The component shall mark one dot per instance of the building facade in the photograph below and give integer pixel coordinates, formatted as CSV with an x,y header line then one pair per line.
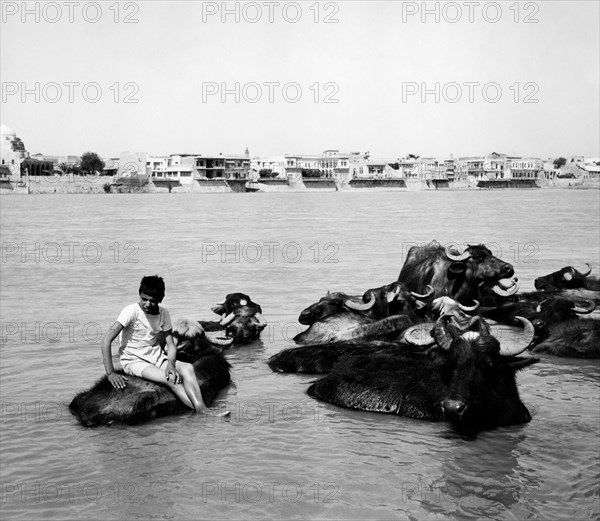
x,y
12,153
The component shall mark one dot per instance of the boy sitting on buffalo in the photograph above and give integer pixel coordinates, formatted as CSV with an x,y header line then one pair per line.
x,y
140,326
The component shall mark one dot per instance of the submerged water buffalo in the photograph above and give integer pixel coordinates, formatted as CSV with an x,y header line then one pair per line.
x,y
241,319
571,338
556,319
320,359
461,276
339,316
537,306
334,313
347,326
142,400
568,278
469,380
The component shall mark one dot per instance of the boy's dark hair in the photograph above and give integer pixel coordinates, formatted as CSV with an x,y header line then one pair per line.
x,y
153,286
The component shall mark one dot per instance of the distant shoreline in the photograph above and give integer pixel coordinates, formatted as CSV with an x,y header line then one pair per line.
x,y
101,185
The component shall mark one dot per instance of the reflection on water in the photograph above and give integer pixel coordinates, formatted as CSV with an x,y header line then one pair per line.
x,y
281,454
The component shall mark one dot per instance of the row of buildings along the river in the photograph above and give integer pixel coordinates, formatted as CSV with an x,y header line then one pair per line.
x,y
330,169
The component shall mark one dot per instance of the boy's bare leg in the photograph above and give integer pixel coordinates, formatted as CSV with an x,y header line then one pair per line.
x,y
155,374
190,383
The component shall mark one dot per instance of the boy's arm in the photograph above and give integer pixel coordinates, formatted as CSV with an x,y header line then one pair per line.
x,y
172,356
117,380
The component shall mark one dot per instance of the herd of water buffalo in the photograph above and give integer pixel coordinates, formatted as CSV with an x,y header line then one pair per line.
x,y
442,343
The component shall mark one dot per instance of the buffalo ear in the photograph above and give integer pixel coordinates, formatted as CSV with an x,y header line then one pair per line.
x,y
519,362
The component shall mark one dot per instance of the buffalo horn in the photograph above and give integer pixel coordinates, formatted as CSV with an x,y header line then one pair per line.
x,y
419,335
469,308
228,319
427,295
522,340
350,304
498,290
507,283
219,341
441,333
456,257
589,270
218,309
588,308
261,320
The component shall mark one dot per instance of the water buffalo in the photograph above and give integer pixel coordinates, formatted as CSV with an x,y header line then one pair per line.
x,y
242,320
571,338
555,321
541,307
347,326
332,314
466,381
568,278
337,313
320,358
458,275
334,303
142,400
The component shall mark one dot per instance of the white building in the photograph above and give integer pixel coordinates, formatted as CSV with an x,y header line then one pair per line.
x,y
275,164
12,153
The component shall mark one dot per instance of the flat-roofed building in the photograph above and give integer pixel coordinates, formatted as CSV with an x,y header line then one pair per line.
x,y
525,168
12,153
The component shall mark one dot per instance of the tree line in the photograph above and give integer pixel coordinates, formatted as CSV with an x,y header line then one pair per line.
x,y
89,163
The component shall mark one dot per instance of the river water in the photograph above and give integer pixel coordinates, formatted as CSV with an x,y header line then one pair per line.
x,y
70,263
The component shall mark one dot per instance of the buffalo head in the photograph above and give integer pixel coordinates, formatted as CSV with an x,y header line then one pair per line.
x,y
460,275
192,341
395,298
565,278
242,319
334,303
481,390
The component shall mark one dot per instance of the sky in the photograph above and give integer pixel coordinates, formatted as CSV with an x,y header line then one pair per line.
x,y
391,77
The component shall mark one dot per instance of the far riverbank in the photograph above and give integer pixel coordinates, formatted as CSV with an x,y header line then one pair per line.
x,y
69,184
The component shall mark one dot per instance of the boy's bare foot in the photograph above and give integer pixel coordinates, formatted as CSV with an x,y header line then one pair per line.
x,y
215,412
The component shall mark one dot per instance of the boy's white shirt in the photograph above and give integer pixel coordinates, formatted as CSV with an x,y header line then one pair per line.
x,y
140,331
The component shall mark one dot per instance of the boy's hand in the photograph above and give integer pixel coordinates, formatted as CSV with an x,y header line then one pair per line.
x,y
171,371
117,380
